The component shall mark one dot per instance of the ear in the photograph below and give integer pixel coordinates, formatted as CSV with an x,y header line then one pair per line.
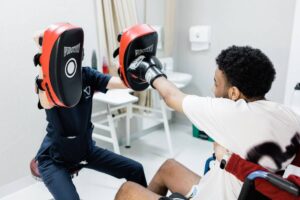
x,y
234,93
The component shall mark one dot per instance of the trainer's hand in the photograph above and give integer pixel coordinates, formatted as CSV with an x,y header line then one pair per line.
x,y
37,37
42,95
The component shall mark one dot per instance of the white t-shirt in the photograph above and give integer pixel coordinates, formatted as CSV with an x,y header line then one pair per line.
x,y
239,126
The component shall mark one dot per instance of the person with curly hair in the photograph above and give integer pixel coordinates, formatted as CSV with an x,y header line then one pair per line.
x,y
239,119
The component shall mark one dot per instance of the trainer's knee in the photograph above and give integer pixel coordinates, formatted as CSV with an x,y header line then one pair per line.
x,y
138,166
125,190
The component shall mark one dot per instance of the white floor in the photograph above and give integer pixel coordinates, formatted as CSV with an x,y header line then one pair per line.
x,y
151,150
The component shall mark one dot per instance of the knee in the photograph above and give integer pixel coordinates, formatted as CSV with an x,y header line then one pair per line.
x,y
167,166
138,168
125,190
137,174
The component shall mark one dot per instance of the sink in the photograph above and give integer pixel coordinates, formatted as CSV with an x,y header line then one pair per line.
x,y
179,79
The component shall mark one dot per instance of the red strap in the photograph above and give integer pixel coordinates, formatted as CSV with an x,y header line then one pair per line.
x,y
294,179
241,168
296,160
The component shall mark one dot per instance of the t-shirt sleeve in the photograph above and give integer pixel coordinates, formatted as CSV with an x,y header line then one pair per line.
x,y
96,79
217,117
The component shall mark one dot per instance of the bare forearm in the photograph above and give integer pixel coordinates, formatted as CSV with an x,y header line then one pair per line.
x,y
42,94
170,93
44,100
116,83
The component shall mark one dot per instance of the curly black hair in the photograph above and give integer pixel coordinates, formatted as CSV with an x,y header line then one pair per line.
x,y
248,69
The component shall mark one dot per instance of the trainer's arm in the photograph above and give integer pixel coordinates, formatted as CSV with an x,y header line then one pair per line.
x,y
42,94
170,93
115,83
44,101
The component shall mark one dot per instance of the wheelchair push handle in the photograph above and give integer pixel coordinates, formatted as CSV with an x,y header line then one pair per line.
x,y
283,184
273,179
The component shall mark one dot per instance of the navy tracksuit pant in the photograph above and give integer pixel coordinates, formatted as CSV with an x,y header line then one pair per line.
x,y
56,176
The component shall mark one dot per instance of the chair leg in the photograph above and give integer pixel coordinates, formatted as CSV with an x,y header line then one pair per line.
x,y
166,126
113,131
128,117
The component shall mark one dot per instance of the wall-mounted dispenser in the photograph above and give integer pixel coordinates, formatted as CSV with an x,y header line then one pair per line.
x,y
200,37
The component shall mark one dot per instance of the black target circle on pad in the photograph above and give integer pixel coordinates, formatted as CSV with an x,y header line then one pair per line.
x,y
70,68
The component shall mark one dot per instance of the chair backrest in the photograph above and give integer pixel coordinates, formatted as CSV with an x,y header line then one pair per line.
x,y
34,170
36,174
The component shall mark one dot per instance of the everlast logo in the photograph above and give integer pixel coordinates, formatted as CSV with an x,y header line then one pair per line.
x,y
69,50
146,50
136,62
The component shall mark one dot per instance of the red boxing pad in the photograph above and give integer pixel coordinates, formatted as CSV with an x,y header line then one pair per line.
x,y
61,58
135,41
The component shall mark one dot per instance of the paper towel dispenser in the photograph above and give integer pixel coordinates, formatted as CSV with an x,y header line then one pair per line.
x,y
200,37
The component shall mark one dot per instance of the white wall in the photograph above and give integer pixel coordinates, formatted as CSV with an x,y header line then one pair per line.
x,y
151,12
22,125
140,9
293,76
264,24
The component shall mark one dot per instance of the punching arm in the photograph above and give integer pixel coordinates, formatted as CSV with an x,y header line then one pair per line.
x,y
116,83
170,93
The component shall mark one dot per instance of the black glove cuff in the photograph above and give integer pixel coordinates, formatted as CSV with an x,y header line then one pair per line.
x,y
152,74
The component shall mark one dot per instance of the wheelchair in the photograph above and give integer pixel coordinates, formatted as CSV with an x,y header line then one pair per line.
x,y
259,183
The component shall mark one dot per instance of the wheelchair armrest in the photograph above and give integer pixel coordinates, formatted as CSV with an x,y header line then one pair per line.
x,y
272,178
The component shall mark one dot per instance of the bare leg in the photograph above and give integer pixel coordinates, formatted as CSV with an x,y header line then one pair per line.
x,y
133,191
175,177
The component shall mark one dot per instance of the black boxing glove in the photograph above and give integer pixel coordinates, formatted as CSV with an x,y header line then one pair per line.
x,y
145,69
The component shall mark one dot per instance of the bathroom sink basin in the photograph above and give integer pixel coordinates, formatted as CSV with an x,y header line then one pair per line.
x,y
179,79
